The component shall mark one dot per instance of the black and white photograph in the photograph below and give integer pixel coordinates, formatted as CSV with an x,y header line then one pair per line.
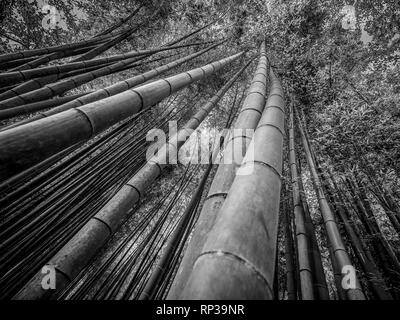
x,y
199,154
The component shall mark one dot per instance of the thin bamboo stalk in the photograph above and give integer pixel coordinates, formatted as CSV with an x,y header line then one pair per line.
x,y
42,51
339,253
289,254
302,237
320,284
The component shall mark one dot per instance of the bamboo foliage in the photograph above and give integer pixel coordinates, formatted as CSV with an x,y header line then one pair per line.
x,y
248,118
238,257
74,256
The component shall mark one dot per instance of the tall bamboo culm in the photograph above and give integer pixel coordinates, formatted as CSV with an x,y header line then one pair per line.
x,y
237,260
248,118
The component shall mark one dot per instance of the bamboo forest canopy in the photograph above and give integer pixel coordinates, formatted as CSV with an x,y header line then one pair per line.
x,y
83,81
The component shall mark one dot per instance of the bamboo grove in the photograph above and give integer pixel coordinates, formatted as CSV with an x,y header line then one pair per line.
x,y
268,216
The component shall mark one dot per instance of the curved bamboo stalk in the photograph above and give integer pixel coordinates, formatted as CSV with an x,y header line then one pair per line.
x,y
248,118
238,257
303,241
33,142
122,22
112,42
74,256
340,255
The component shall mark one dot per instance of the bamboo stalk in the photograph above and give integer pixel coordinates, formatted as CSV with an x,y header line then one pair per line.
x,y
302,237
248,118
238,257
320,284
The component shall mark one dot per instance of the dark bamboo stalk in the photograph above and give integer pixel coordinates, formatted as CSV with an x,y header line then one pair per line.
x,y
43,51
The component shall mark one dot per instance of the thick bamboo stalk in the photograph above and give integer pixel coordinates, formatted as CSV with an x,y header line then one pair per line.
x,y
24,75
238,257
74,256
33,142
248,118
340,255
303,241
122,85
